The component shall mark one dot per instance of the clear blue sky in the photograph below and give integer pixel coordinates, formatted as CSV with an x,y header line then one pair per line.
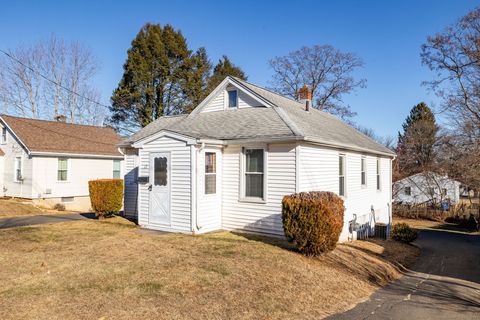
x,y
386,34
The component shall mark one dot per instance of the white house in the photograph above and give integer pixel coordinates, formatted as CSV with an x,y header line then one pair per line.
x,y
426,187
228,164
52,161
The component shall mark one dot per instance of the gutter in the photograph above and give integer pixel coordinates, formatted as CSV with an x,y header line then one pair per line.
x,y
77,155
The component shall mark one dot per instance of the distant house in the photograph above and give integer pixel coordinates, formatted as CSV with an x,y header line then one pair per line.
x,y
52,161
228,164
426,187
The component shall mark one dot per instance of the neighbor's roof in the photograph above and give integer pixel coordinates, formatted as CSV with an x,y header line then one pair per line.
x,y
61,137
285,119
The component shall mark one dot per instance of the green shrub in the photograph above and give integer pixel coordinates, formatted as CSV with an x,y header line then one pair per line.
x,y
313,221
106,196
404,233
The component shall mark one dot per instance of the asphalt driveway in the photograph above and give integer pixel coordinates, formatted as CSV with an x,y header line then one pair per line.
x,y
443,284
42,219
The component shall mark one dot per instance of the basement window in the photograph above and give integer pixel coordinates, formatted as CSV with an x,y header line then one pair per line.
x,y
67,199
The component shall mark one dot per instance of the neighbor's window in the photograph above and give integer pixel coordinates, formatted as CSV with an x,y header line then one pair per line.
x,y
431,191
232,98
210,173
378,173
254,173
116,169
408,191
4,135
363,171
341,175
444,192
62,173
18,169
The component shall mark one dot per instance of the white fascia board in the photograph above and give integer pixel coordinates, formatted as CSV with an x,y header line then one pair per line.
x,y
73,155
165,133
347,147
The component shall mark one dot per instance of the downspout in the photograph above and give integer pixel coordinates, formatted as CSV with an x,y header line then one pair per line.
x,y
194,160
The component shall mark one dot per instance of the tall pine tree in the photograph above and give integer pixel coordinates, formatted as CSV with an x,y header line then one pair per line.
x,y
416,145
222,69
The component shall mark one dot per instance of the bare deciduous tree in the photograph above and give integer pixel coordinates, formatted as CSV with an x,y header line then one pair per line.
x,y
326,70
71,69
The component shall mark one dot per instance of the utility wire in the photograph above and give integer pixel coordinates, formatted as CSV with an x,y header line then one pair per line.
x,y
52,81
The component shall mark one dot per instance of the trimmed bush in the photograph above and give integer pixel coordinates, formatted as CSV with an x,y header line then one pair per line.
x,y
404,233
106,196
313,221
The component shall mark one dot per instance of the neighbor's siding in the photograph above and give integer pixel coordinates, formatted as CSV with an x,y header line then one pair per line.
x,y
13,149
220,102
209,206
318,171
419,185
130,178
80,171
258,217
180,184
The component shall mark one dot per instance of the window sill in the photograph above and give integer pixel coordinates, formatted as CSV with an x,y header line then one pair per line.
x,y
252,200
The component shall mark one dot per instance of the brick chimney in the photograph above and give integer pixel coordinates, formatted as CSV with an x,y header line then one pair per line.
x,y
61,118
305,96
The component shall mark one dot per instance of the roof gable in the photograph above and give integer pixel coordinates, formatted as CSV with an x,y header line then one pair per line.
x,y
41,136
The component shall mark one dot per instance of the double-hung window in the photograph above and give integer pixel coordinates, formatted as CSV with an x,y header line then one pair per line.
x,y
4,135
341,175
18,170
116,169
232,98
408,191
254,174
363,169
378,174
210,173
62,171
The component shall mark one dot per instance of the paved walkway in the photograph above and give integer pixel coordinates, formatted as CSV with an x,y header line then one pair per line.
x,y
41,219
443,284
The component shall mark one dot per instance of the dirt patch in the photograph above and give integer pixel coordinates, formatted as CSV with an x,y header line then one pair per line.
x,y
95,269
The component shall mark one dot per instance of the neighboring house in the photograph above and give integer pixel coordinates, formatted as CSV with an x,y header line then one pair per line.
x,y
228,164
426,187
52,161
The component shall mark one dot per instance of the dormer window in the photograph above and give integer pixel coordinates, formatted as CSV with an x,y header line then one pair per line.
x,y
232,99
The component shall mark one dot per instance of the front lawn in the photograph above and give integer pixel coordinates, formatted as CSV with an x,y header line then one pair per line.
x,y
113,270
18,207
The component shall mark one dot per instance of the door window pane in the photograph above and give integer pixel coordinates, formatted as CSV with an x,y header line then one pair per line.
x,y
160,171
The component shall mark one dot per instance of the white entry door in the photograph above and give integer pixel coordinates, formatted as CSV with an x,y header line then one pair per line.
x,y
160,181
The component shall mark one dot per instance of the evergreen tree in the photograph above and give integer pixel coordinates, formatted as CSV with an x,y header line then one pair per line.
x,y
416,145
152,78
197,74
222,69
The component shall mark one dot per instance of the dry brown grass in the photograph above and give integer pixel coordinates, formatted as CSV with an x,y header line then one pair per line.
x,y
18,207
112,270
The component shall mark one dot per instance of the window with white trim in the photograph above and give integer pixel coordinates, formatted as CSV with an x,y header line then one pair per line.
x,y
232,98
408,191
210,173
116,169
378,174
62,169
341,175
4,135
18,170
363,169
254,174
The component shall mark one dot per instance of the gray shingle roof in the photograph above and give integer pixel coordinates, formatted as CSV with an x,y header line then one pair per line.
x,y
285,118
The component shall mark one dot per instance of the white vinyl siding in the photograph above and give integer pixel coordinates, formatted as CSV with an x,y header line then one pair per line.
x,y
319,171
180,184
18,173
255,217
130,180
209,206
220,101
